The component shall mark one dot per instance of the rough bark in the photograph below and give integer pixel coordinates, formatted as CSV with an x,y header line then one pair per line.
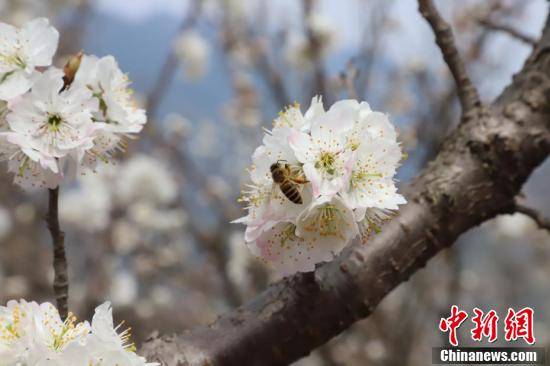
x,y
476,175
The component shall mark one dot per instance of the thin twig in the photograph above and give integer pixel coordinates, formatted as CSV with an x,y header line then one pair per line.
x,y
61,278
349,77
166,74
541,221
315,44
467,93
508,29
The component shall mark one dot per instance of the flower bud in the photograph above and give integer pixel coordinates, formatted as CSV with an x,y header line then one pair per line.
x,y
70,69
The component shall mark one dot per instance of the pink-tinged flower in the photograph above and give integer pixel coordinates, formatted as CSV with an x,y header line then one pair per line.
x,y
347,157
31,168
21,51
53,122
322,230
266,203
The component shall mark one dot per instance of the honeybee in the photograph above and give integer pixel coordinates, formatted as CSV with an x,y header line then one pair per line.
x,y
288,181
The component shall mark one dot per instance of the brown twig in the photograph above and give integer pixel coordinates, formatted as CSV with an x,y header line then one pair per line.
x,y
61,278
541,221
170,64
508,29
467,93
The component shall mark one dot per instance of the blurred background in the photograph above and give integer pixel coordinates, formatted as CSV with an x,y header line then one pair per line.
x,y
152,233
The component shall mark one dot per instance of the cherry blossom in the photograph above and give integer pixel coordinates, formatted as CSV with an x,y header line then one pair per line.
x,y
34,334
342,162
21,51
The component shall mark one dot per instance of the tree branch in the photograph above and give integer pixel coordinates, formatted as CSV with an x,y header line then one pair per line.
x,y
61,278
508,29
467,93
542,222
170,63
475,176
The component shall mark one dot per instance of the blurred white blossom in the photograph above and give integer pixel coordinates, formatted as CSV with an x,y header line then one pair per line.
x,y
194,52
514,226
239,261
93,193
144,178
302,50
123,289
177,125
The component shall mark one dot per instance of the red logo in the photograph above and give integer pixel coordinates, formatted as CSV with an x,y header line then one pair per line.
x,y
452,323
520,325
485,325
517,325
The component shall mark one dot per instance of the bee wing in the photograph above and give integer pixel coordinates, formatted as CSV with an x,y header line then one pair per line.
x,y
275,191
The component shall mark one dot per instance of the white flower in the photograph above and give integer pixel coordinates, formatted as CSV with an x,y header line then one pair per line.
x,y
373,140
31,168
323,229
54,122
109,347
147,179
33,334
292,115
194,52
326,159
345,159
267,205
21,51
118,114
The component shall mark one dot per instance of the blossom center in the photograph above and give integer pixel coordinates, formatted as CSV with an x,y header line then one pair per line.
x,y
288,233
14,60
54,121
361,176
326,162
328,221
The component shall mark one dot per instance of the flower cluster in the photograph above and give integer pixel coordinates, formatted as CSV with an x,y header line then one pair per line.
x,y
333,175
53,122
34,334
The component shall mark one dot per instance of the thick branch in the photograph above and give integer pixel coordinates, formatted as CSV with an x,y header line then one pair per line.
x,y
476,175
508,29
541,221
467,93
61,278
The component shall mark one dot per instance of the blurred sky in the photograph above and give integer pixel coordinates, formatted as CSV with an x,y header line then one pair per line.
x,y
412,42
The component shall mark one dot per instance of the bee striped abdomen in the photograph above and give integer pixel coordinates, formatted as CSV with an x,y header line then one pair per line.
x,y
281,176
291,192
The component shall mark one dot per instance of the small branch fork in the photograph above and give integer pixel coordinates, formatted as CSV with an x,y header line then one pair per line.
x,y
521,207
467,93
61,278
508,29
